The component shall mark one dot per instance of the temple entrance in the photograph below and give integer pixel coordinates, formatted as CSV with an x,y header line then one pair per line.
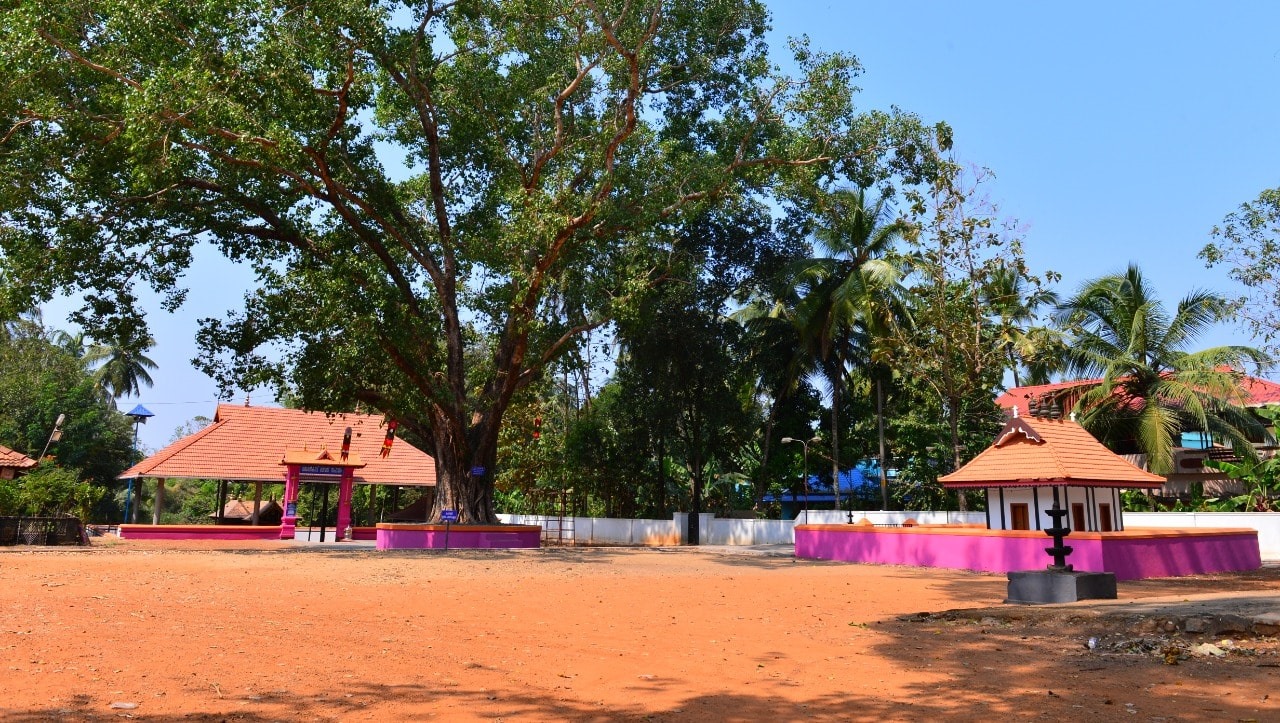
x,y
323,468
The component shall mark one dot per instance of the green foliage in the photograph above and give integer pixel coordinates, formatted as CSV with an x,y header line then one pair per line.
x,y
549,150
40,380
1152,389
49,491
1261,480
122,367
1248,241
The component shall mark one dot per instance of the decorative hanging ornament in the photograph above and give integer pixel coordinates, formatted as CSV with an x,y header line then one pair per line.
x,y
346,444
391,437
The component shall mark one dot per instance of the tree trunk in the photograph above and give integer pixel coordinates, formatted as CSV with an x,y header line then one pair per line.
x,y
464,467
963,502
835,437
884,474
662,475
760,483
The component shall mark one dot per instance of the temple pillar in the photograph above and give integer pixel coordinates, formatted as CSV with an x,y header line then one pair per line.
x,y
344,504
155,513
290,519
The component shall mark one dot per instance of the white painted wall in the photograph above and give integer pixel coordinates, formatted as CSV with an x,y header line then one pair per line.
x,y
1092,499
606,531
1266,523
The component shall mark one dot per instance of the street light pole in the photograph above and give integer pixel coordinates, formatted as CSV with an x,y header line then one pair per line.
x,y
139,414
805,443
54,436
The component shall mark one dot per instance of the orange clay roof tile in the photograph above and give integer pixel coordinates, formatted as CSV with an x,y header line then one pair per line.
x,y
1064,453
248,444
1256,391
18,460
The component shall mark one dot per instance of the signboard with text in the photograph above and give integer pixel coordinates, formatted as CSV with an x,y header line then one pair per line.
x,y
319,470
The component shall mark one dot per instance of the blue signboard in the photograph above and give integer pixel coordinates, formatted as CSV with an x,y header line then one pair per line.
x,y
477,471
449,515
320,470
291,509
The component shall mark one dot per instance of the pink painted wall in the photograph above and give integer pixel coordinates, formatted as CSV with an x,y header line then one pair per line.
x,y
1129,555
1134,559
418,537
199,532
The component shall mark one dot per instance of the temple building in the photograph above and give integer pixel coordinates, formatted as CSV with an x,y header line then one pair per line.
x,y
1036,461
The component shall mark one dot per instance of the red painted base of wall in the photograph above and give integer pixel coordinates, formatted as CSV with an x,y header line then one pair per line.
x,y
1133,554
427,537
199,532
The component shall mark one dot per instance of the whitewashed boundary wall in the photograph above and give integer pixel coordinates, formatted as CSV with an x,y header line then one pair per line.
x,y
713,530
716,531
1266,523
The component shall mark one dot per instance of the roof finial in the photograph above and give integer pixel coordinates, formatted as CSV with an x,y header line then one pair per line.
x,y
1015,411
1073,416
246,399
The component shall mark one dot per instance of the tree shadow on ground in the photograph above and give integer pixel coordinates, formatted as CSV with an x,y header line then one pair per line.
x,y
421,702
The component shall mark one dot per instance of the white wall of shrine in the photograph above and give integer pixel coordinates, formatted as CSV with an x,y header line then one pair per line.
x,y
1089,509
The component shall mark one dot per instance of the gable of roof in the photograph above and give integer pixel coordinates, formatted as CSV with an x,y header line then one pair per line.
x,y
1030,452
249,443
16,460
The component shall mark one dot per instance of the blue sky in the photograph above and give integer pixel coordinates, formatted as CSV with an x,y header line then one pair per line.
x,y
1118,132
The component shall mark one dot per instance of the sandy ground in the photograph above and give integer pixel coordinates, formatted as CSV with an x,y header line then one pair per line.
x,y
256,632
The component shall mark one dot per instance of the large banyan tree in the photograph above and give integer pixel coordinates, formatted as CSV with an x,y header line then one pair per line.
x,y
438,198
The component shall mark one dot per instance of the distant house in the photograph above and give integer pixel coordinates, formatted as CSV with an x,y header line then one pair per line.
x,y
13,463
1194,450
240,512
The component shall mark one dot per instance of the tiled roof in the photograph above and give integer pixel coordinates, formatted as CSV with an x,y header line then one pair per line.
x,y
248,443
1019,396
1258,392
1064,453
10,458
1261,391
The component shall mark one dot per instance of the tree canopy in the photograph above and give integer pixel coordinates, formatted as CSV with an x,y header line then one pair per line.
x,y
39,380
439,199
1249,242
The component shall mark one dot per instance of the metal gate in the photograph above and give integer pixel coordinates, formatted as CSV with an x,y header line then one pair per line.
x,y
41,531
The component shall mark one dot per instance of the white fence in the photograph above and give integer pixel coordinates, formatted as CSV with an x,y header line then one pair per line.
x,y
1266,523
716,531
713,530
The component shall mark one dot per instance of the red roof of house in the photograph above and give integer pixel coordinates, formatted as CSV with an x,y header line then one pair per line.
x,y
1258,392
17,460
1031,452
249,443
1261,391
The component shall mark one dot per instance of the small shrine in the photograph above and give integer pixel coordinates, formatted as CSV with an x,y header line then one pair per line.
x,y
1036,462
1054,522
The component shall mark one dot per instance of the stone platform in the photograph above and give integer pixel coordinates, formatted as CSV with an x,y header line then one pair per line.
x,y
1043,587
199,532
1132,554
392,536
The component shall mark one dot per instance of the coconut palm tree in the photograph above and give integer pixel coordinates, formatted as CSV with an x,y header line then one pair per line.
x,y
122,366
1015,300
848,298
1152,389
